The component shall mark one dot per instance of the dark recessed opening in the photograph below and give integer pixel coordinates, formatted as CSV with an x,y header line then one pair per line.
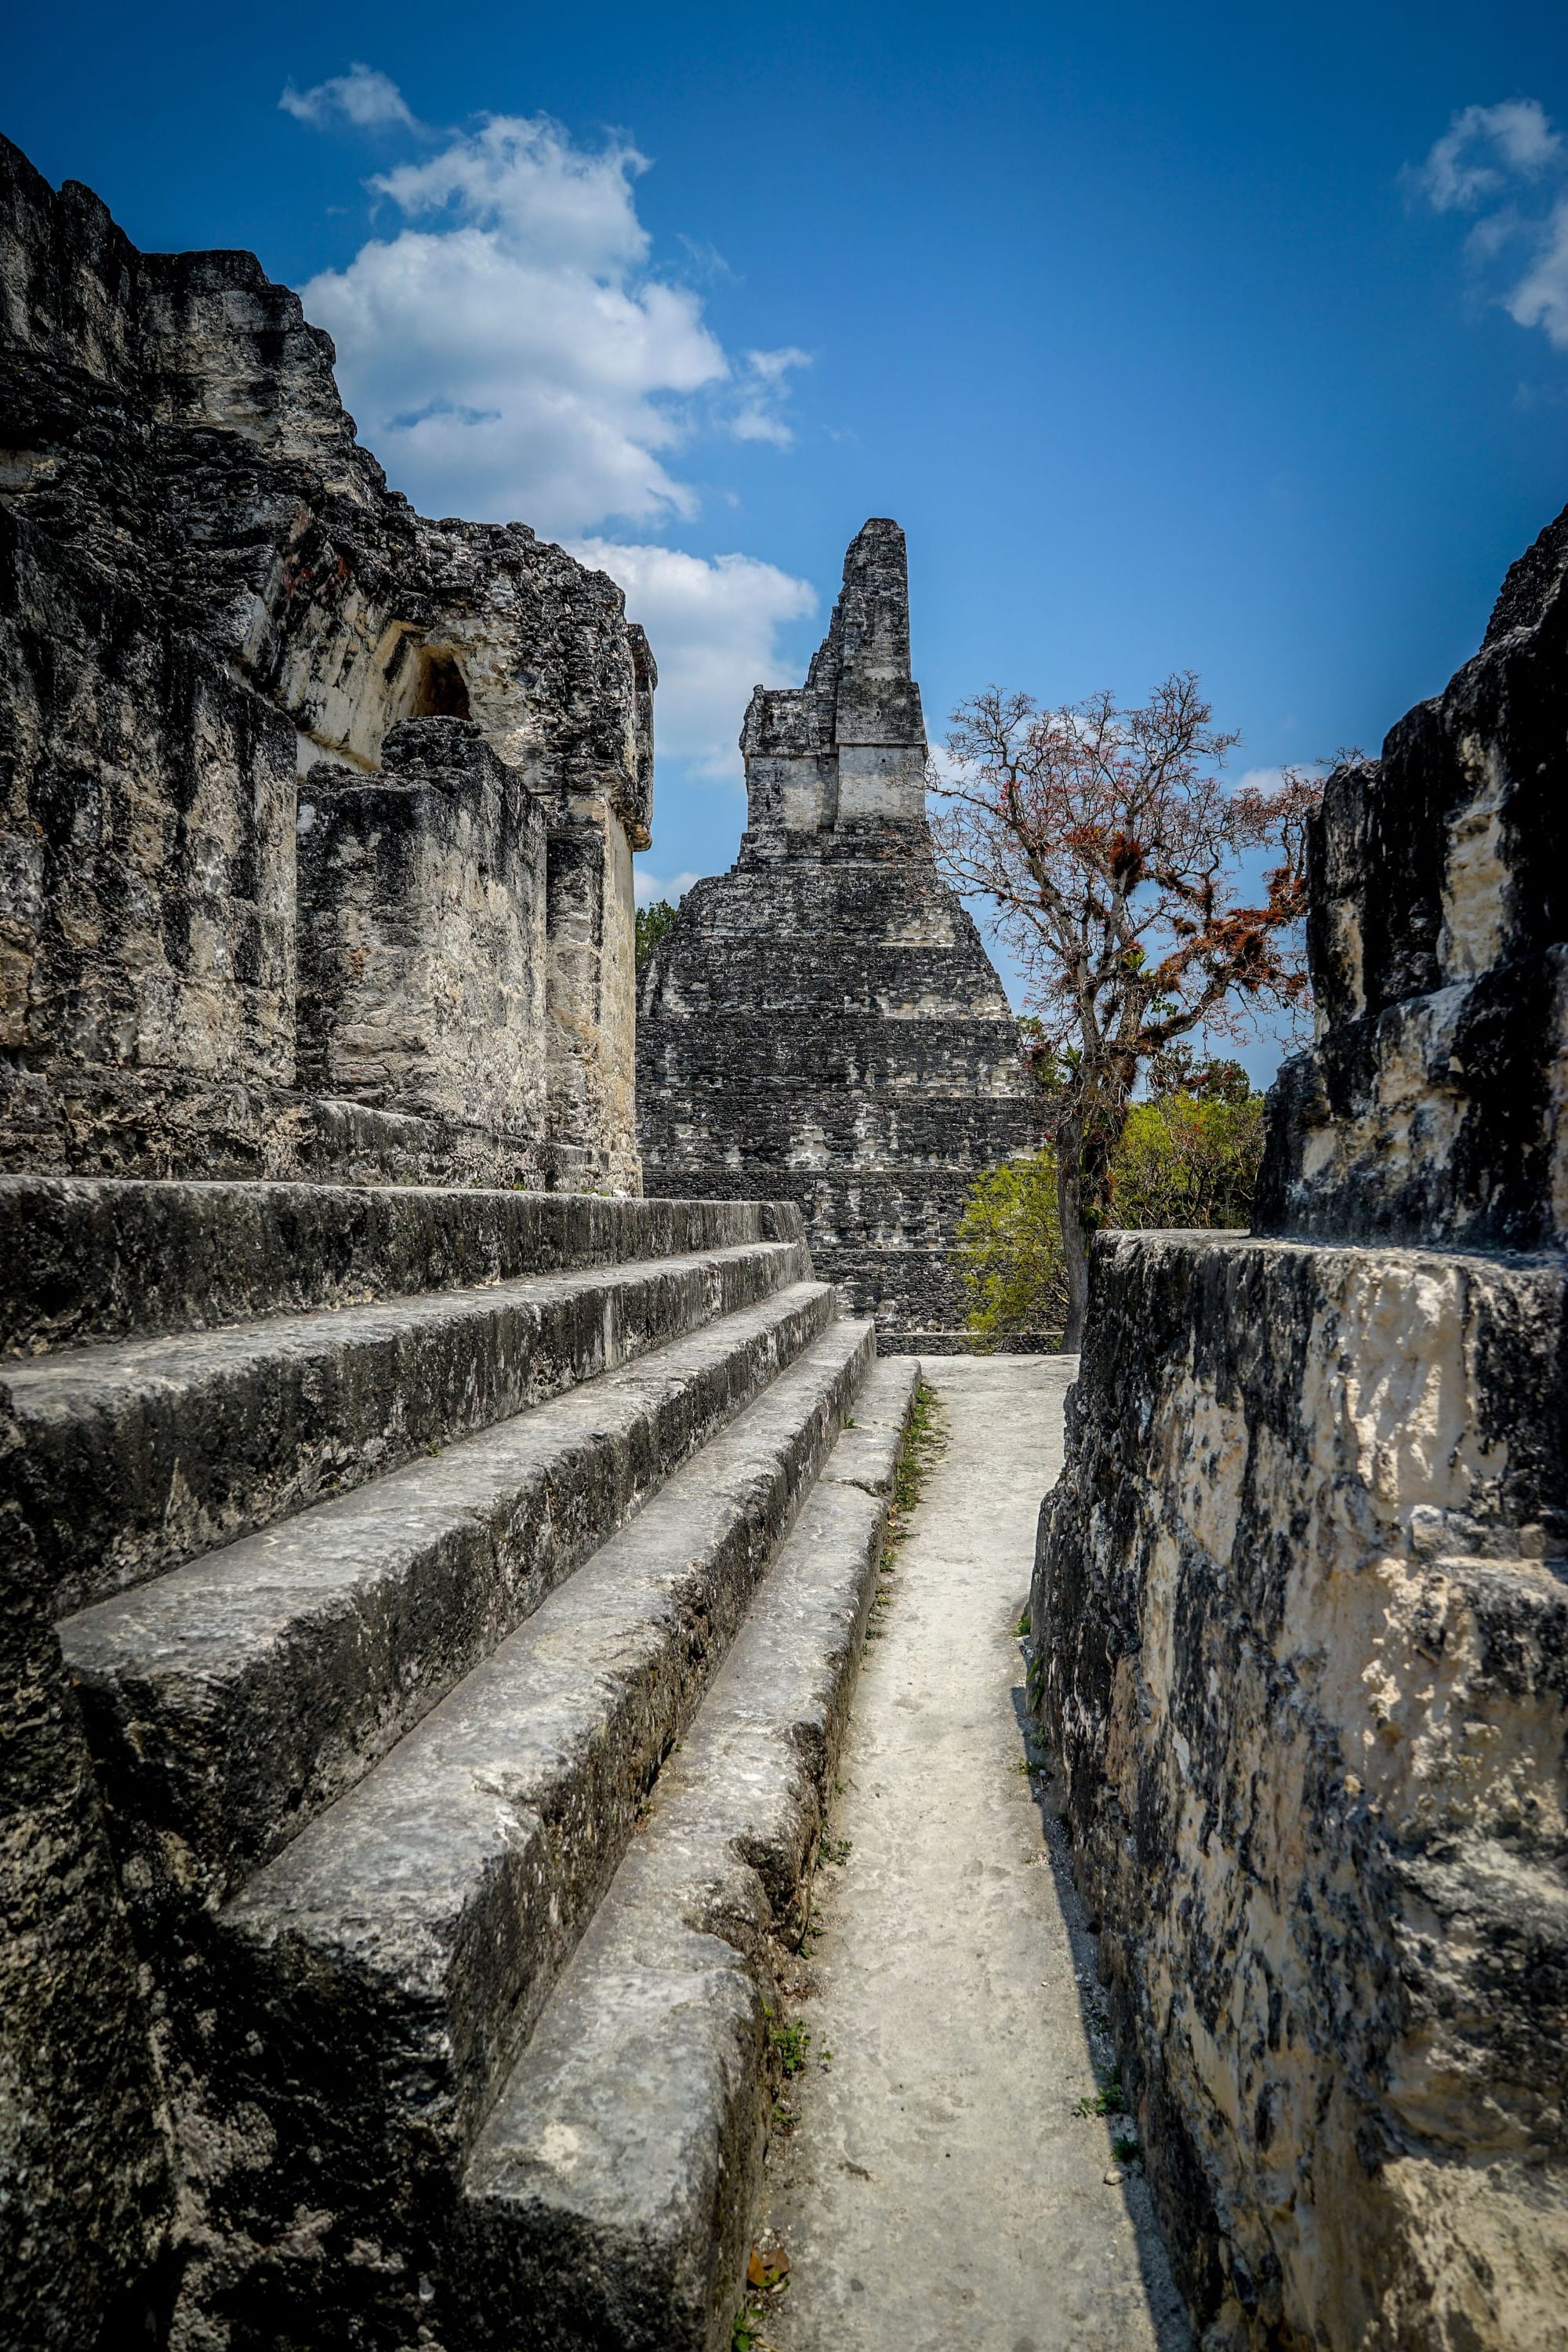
x,y
442,691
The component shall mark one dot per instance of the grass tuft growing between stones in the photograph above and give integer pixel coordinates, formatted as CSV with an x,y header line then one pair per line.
x,y
925,1440
1111,2099
791,2042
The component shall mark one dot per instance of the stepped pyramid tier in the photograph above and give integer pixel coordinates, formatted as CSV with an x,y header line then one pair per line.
x,y
428,1644
1301,1606
318,816
823,1022
429,1608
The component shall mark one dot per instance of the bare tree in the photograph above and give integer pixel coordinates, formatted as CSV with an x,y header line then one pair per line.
x,y
1111,846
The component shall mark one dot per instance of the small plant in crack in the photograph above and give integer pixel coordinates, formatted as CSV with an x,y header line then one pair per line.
x,y
1125,2149
746,2334
1111,2099
836,1850
923,1441
790,2041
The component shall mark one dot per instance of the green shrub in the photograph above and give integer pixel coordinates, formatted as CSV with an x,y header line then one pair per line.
x,y
1010,1254
1188,1159
652,924
1185,1159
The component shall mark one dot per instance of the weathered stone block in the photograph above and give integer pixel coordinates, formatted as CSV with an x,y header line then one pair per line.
x,y
1300,1607
421,931
1302,1633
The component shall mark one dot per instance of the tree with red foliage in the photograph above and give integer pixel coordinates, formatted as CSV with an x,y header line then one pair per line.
x,y
1111,846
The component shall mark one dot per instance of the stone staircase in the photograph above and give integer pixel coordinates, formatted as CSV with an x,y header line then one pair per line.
x,y
462,1628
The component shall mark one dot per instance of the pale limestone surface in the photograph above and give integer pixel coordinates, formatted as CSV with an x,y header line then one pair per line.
x,y
1302,1609
939,2190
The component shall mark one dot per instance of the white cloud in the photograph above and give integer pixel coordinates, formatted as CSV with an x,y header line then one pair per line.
x,y
1482,149
1503,163
510,351
713,624
1540,297
651,888
366,98
761,383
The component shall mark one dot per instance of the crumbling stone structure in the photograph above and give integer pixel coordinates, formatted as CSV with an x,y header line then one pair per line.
x,y
293,777
375,1557
1300,1610
823,1022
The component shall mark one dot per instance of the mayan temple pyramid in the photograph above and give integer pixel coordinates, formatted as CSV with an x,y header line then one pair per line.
x,y
823,1025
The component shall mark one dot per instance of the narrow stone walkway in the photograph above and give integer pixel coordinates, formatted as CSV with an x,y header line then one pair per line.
x,y
939,2191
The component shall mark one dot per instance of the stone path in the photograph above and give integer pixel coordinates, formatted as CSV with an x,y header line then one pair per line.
x,y
939,2192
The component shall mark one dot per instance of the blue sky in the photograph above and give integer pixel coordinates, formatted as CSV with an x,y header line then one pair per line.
x,y
1233,339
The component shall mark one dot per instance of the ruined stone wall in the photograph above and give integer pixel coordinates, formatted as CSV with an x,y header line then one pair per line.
x,y
1300,1608
206,588
422,948
1434,1104
823,1024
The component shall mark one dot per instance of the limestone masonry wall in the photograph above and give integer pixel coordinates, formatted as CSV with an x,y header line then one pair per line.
x,y
205,590
421,931
823,1024
1300,1607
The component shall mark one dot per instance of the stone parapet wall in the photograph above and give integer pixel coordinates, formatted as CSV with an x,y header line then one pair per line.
x,y
1299,1616
1303,1658
1434,1104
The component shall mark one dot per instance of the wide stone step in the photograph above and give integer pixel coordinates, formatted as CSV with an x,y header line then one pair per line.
x,y
371,1986
90,1258
610,2196
232,1699
140,1454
